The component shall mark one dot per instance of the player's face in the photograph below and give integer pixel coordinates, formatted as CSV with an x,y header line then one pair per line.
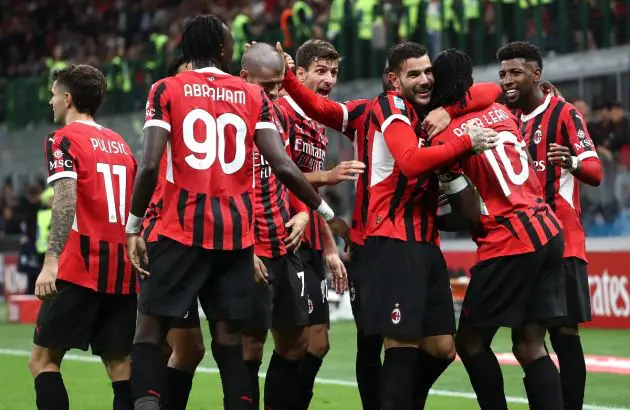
x,y
270,81
320,77
415,80
518,78
59,102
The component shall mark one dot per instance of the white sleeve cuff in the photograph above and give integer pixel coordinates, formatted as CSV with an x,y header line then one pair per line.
x,y
158,123
587,154
454,186
265,126
393,117
60,175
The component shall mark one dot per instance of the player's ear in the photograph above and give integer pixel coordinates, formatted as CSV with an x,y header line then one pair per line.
x,y
68,100
244,74
537,74
394,79
300,73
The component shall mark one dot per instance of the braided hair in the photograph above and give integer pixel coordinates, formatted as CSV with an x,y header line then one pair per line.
x,y
452,70
203,40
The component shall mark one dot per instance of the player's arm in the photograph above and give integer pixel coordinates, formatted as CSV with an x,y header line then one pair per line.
x,y
344,171
460,209
334,262
324,111
64,208
414,161
578,155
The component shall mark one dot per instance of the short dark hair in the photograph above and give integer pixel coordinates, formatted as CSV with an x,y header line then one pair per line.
x,y
452,70
399,53
86,84
313,50
174,66
520,49
203,39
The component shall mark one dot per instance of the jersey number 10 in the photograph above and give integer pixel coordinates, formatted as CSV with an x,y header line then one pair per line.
x,y
515,179
121,172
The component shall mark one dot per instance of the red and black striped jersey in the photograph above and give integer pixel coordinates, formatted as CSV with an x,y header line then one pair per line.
x,y
398,207
212,117
95,255
514,217
557,121
272,199
308,142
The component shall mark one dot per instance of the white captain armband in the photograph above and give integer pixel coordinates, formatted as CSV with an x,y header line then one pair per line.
x,y
453,186
325,211
134,224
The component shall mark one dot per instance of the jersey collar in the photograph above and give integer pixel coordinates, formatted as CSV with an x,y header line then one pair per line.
x,y
212,70
541,108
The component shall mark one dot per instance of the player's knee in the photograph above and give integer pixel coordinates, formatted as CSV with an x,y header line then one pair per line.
x,y
560,331
467,347
118,365
44,360
528,351
253,348
318,343
187,357
441,347
291,345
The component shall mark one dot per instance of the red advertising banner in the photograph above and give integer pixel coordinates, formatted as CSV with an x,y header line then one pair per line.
x,y
14,282
608,277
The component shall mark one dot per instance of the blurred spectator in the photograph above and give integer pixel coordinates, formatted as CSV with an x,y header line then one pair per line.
x,y
27,209
9,224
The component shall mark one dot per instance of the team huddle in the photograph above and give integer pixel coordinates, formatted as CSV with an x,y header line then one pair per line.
x,y
224,212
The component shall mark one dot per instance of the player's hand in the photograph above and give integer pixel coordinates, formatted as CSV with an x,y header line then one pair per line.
x,y
297,224
345,171
549,88
137,251
338,271
559,155
45,285
260,270
288,60
340,228
248,45
482,138
436,122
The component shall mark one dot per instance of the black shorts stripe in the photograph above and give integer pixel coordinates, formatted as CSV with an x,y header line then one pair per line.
x,y
529,229
237,225
508,225
120,268
551,129
181,206
84,243
199,219
217,217
247,201
103,265
157,101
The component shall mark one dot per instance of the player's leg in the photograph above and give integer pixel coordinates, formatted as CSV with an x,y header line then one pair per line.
x,y
565,338
546,302
256,328
63,323
438,344
178,272
186,341
368,358
226,300
289,324
319,318
394,292
112,340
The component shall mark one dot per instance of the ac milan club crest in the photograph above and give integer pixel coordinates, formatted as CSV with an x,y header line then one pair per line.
x,y
395,315
310,306
353,292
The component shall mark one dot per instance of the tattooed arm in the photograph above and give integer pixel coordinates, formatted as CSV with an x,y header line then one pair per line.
x,y
63,210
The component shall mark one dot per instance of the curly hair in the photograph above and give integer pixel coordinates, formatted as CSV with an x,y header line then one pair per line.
x,y
203,39
86,85
520,49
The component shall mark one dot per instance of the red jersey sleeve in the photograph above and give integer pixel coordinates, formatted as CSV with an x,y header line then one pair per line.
x,y
62,162
158,108
265,114
479,97
576,134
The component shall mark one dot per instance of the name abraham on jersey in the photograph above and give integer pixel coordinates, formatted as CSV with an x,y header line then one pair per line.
x,y
216,94
309,155
490,117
